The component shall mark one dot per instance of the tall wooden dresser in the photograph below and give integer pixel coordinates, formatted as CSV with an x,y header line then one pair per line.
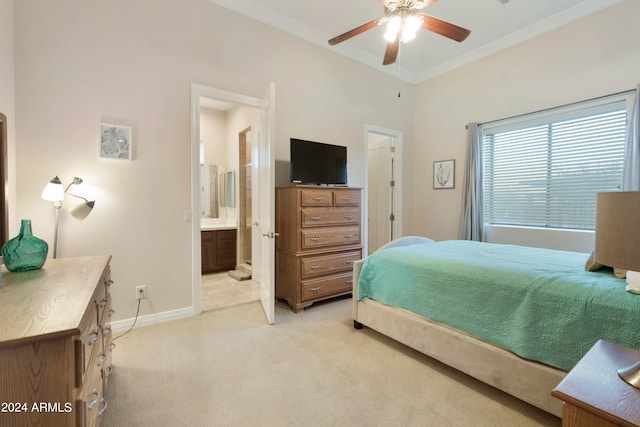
x,y
319,239
55,343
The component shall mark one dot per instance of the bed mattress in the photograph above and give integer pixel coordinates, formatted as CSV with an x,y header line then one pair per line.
x,y
538,303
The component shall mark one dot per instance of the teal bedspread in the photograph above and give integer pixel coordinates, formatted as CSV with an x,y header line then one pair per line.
x,y
538,303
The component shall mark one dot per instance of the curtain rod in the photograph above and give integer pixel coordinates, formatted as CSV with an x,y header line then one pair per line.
x,y
559,106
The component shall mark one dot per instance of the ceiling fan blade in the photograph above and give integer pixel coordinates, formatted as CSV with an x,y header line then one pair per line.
x,y
444,28
391,53
352,33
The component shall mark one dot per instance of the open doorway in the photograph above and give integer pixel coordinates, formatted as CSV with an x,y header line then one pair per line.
x,y
383,189
222,126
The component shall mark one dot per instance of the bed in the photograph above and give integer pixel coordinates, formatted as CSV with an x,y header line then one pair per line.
x,y
514,317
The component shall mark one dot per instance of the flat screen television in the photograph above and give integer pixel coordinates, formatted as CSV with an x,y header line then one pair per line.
x,y
318,163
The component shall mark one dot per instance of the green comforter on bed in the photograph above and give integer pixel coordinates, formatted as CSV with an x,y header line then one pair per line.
x,y
541,304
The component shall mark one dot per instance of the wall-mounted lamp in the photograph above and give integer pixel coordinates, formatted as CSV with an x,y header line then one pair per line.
x,y
54,192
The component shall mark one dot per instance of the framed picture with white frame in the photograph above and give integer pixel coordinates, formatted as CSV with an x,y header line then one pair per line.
x,y
444,172
115,142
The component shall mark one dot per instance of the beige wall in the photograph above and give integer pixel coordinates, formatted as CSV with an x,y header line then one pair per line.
x,y
595,56
7,100
132,62
213,131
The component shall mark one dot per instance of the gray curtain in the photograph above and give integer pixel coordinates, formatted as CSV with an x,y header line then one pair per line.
x,y
632,149
471,223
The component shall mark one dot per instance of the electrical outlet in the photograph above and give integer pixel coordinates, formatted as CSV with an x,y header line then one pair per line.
x,y
141,292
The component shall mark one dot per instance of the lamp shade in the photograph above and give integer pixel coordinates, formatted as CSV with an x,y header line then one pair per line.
x,y
53,191
618,230
82,210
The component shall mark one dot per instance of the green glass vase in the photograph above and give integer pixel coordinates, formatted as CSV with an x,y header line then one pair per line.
x,y
25,251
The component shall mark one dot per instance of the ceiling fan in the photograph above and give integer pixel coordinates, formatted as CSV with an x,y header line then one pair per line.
x,y
403,21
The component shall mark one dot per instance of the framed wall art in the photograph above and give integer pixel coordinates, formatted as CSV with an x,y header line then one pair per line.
x,y
444,172
115,142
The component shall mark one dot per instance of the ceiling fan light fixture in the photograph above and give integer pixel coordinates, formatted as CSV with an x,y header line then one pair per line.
x,y
410,27
393,27
407,26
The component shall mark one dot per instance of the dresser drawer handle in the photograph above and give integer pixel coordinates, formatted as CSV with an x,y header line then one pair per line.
x,y
103,303
109,371
103,358
111,312
90,405
318,199
104,408
347,199
315,289
108,282
348,236
315,239
315,267
107,331
112,346
348,217
316,218
350,262
349,282
95,338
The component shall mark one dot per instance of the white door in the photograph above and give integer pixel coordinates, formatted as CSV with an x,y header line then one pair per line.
x,y
380,191
263,204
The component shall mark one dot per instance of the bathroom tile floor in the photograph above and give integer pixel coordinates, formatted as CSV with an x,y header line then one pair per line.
x,y
221,290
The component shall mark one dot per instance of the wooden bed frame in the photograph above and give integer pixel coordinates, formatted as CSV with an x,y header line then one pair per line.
x,y
529,381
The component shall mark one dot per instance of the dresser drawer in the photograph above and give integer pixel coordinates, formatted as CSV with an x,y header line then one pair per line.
x,y
326,286
321,217
319,238
315,198
346,198
90,399
327,264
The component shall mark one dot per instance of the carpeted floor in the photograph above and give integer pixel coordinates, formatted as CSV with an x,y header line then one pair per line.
x,y
227,367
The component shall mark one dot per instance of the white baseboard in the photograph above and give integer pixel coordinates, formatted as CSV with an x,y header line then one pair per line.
x,y
152,319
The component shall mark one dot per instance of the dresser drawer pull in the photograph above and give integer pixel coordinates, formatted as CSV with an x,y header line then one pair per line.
x,y
103,359
316,218
315,267
108,282
95,338
347,199
109,371
103,303
349,282
112,346
318,199
104,408
111,312
107,331
350,262
348,236
90,405
348,217
315,289
315,239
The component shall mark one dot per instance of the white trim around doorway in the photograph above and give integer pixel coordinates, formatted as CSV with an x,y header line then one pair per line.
x,y
397,202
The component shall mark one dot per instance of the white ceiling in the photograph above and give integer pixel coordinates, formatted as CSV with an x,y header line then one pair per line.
x,y
494,25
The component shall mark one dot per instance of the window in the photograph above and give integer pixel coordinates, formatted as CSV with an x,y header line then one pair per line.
x,y
544,169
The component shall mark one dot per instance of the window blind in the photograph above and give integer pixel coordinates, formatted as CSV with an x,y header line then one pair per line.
x,y
544,169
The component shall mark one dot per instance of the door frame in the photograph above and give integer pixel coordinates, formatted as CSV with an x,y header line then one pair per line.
x,y
193,215
397,200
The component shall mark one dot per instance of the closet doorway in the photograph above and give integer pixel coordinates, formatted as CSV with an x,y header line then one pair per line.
x,y
383,189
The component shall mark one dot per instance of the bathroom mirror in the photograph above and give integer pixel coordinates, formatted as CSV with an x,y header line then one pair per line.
x,y
213,191
230,188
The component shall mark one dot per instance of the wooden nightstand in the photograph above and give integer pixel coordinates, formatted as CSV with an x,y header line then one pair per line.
x,y
593,393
